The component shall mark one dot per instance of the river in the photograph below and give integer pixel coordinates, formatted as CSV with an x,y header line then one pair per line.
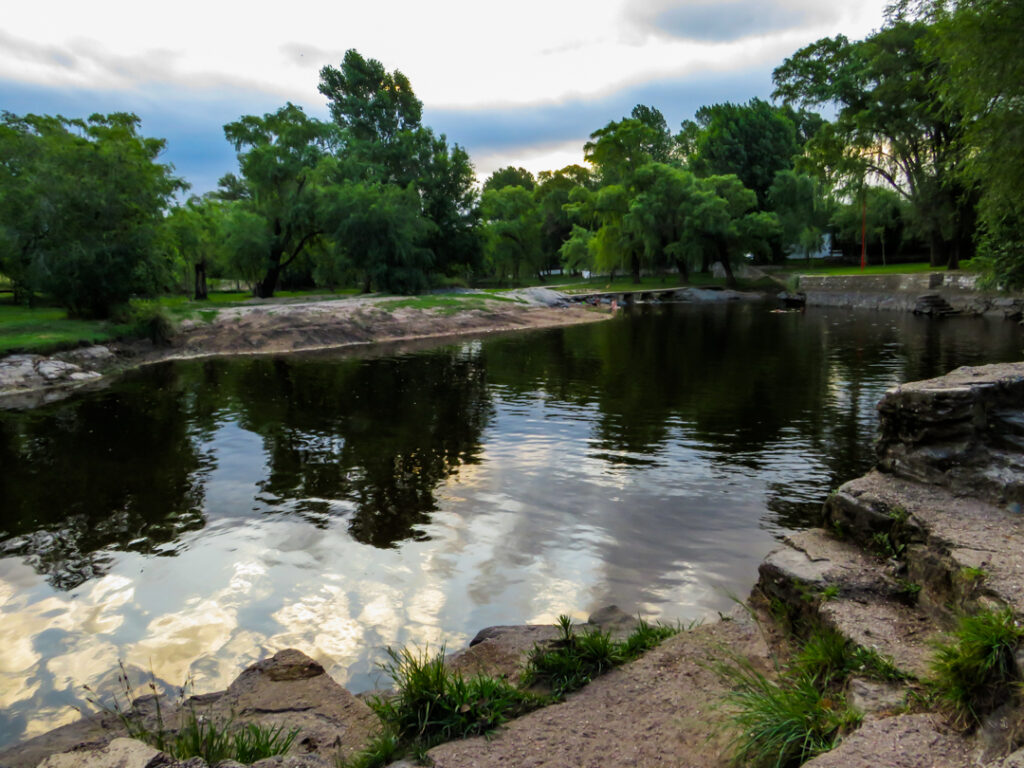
x,y
196,516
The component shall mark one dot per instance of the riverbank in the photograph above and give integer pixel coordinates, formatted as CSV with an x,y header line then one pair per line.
x,y
932,533
28,380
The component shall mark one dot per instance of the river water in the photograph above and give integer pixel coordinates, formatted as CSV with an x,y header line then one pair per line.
x,y
194,517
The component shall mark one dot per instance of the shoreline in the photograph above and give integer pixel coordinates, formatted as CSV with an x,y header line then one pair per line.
x,y
30,380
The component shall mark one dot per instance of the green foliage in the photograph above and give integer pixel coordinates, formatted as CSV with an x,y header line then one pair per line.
x,y
384,748
782,723
575,659
284,157
753,141
510,176
511,231
65,227
433,704
973,672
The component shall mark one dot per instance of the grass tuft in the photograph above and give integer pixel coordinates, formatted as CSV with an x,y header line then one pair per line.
x,y
785,723
576,659
434,703
974,672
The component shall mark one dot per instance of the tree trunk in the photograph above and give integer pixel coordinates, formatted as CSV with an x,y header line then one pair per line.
x,y
684,273
730,278
265,288
705,262
634,263
200,288
936,251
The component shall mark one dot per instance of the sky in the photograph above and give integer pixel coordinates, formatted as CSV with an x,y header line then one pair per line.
x,y
521,83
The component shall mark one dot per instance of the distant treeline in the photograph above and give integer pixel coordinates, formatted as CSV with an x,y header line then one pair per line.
x,y
925,153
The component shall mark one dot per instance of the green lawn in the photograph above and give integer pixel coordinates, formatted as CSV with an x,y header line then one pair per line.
x,y
45,329
800,267
447,303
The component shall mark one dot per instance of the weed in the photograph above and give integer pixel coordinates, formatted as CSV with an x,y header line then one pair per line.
x,y
208,315
907,591
256,742
974,671
784,723
645,637
887,545
899,515
972,574
831,592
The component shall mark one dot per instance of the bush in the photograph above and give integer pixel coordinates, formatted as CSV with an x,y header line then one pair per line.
x,y
974,671
145,320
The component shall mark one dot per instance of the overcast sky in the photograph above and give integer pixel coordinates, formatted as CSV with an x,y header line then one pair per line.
x,y
519,83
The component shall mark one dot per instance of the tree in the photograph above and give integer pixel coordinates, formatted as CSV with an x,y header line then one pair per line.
x,y
657,215
511,231
510,176
620,148
722,220
380,231
891,126
81,206
802,210
196,232
753,141
661,145
552,198
978,42
282,159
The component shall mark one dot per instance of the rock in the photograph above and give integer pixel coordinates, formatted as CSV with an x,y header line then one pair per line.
x,y
119,753
872,697
84,376
996,734
294,761
905,741
613,619
292,690
55,370
1016,760
501,651
964,430
93,355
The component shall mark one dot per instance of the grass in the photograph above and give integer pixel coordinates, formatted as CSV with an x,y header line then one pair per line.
x,y
974,672
785,722
434,703
45,329
801,266
576,659
212,738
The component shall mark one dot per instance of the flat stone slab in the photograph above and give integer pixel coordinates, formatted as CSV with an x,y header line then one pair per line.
x,y
863,610
970,532
905,741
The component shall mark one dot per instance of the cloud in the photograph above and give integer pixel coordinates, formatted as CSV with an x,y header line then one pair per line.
x,y
729,20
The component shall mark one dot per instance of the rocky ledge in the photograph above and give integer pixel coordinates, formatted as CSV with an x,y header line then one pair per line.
x,y
935,531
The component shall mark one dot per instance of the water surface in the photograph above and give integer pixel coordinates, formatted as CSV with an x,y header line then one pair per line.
x,y
194,517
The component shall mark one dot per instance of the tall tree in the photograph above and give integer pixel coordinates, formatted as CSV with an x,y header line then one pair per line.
x,y
978,42
282,159
511,231
81,207
891,126
753,141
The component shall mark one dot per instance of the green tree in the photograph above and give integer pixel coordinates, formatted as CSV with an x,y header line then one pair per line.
x,y
620,148
380,231
81,206
752,141
978,42
657,215
552,198
510,176
281,156
196,234
722,221
511,231
891,126
662,143
802,209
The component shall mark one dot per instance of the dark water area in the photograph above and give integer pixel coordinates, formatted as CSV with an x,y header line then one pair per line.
x,y
196,516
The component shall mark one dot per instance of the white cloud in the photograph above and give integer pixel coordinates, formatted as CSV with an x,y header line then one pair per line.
x,y
456,52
